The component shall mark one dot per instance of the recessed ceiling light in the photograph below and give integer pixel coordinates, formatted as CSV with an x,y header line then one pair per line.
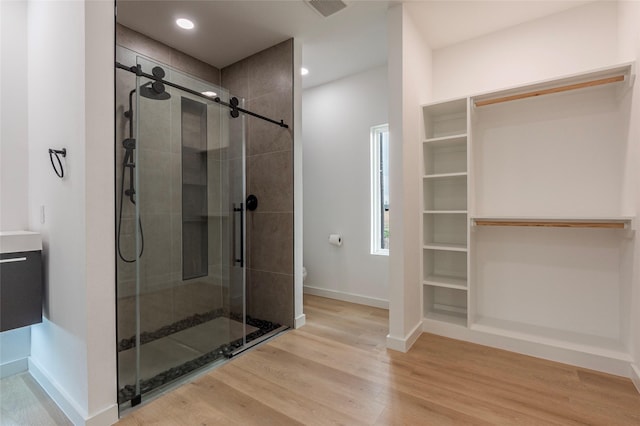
x,y
209,93
185,23
304,71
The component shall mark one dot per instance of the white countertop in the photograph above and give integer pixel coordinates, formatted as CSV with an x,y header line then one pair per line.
x,y
17,241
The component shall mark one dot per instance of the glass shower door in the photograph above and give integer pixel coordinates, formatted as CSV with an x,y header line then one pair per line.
x,y
183,186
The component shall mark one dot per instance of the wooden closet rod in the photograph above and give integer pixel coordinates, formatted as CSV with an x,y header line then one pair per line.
x,y
556,224
559,89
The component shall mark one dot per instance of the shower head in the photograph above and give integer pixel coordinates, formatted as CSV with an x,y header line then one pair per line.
x,y
154,90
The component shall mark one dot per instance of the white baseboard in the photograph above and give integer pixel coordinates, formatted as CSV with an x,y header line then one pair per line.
x,y
300,321
635,376
13,367
106,417
68,405
405,343
617,364
347,297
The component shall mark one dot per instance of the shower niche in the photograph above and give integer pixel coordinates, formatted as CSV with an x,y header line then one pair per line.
x,y
181,186
194,189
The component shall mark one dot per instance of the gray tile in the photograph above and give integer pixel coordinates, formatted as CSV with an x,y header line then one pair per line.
x,y
196,297
176,246
264,137
153,188
232,176
156,258
270,241
218,237
271,70
128,226
126,288
270,297
195,67
126,308
235,130
176,184
217,199
212,334
155,357
137,42
127,246
235,292
235,78
194,247
270,178
215,139
154,121
156,308
176,122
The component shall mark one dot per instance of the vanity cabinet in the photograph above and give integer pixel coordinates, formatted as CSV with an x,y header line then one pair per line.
x,y
21,285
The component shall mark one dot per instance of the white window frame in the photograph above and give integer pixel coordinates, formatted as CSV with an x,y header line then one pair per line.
x,y
376,202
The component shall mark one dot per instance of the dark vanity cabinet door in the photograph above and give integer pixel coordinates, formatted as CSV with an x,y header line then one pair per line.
x,y
20,289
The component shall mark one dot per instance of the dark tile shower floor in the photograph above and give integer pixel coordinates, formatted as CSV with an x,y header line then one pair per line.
x,y
182,347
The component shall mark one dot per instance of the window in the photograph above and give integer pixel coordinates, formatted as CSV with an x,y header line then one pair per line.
x,y
380,189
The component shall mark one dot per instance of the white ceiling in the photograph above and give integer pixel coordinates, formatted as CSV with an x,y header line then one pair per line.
x,y
444,23
352,40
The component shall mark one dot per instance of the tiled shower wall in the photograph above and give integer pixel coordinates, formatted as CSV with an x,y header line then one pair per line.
x,y
166,298
265,81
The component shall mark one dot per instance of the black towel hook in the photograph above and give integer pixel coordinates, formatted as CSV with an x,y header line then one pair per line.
x,y
57,153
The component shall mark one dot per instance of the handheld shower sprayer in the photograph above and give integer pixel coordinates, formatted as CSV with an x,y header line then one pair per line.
x,y
154,90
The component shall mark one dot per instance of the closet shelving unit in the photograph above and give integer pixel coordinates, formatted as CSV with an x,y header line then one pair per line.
x,y
528,219
445,216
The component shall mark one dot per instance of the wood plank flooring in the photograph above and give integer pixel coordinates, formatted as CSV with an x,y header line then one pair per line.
x,y
336,371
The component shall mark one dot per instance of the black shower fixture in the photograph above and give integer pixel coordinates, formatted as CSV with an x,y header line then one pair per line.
x,y
252,202
157,77
151,90
154,90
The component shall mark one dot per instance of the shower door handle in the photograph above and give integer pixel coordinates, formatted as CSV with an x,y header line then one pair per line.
x,y
239,259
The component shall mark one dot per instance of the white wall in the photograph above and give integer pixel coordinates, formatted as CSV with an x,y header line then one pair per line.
x,y
596,35
569,42
410,80
70,54
337,118
629,50
14,345
99,211
13,116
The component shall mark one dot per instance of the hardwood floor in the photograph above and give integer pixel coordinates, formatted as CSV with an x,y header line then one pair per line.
x,y
336,370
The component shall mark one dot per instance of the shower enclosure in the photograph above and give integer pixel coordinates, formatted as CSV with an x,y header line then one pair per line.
x,y
181,228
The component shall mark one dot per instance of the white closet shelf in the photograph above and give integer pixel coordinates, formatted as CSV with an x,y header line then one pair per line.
x,y
447,282
445,175
445,246
461,137
455,318
445,211
596,345
622,222
621,74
